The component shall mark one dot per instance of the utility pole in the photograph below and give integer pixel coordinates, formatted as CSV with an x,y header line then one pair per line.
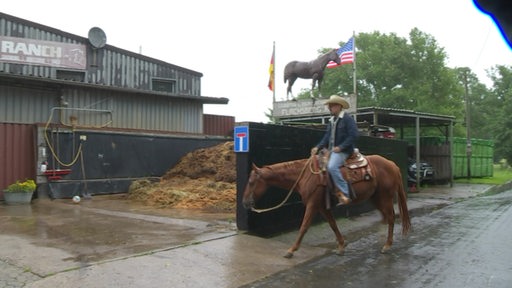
x,y
468,123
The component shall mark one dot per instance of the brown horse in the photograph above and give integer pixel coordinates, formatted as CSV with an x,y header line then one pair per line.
x,y
309,70
301,176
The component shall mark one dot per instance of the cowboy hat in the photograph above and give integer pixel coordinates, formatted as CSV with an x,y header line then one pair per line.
x,y
335,99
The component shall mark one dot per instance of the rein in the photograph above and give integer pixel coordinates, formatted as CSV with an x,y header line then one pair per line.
x,y
314,167
289,192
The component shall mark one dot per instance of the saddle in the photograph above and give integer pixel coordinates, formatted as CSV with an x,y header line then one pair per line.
x,y
356,160
356,168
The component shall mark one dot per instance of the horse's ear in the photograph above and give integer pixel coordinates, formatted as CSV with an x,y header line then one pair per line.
x,y
256,170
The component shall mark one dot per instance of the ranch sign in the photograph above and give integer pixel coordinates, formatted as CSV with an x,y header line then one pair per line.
x,y
44,53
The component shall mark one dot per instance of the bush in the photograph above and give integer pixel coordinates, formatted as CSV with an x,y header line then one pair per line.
x,y
27,186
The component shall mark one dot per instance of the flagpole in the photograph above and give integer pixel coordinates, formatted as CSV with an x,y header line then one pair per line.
x,y
354,66
274,73
354,73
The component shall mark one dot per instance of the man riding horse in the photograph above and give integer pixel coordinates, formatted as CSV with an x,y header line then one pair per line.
x,y
339,139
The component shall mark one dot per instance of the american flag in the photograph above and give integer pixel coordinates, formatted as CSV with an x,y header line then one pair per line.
x,y
346,54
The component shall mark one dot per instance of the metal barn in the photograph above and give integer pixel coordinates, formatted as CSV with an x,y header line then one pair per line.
x,y
58,91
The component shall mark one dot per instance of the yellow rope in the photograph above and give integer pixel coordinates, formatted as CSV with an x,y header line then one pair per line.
x,y
311,168
52,150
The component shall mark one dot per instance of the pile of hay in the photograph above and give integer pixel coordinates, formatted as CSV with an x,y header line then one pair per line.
x,y
203,179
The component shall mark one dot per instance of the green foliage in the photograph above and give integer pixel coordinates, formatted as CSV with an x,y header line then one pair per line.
x,y
400,73
271,119
28,186
500,176
500,110
481,105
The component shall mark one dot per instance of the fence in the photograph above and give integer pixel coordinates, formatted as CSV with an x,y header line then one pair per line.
x,y
436,151
269,144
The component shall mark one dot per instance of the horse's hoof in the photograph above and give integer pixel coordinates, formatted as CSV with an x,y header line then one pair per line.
x,y
288,255
338,252
384,250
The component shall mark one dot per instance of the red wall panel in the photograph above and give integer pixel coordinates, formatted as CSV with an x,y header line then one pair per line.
x,y
17,153
218,125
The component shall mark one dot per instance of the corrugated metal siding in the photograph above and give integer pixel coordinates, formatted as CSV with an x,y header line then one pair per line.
x,y
218,125
107,66
157,113
120,70
25,105
17,155
91,107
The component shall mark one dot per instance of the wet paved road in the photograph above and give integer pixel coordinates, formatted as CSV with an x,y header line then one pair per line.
x,y
466,244
48,237
109,242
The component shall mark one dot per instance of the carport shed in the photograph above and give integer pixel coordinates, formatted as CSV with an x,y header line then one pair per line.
x,y
441,156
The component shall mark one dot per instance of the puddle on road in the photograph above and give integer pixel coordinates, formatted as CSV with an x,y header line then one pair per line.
x,y
107,227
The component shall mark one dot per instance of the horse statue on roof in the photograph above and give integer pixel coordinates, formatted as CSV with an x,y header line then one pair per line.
x,y
309,70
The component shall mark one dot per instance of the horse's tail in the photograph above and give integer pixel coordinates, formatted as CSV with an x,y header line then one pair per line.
x,y
287,71
402,204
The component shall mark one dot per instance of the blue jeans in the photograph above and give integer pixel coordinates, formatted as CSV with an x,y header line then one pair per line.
x,y
336,160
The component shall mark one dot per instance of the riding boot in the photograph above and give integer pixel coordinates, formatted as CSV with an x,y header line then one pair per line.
x,y
351,192
342,199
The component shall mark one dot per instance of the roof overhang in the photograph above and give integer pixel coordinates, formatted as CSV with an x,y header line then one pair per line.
x,y
402,118
21,80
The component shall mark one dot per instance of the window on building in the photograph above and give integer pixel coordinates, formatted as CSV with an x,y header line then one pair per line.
x,y
71,75
163,85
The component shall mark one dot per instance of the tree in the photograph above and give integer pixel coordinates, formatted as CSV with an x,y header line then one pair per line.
x,y
480,105
500,105
270,116
411,73
400,73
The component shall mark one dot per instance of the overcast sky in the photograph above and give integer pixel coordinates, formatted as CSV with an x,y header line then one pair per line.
x,y
230,41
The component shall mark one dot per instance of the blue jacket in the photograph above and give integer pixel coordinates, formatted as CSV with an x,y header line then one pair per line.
x,y
345,137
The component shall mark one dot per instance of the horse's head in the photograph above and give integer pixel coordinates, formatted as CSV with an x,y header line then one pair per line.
x,y
333,56
255,187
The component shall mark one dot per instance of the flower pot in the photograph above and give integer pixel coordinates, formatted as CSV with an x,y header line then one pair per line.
x,y
16,198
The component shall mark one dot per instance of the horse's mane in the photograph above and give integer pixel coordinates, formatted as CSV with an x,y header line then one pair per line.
x,y
286,165
282,169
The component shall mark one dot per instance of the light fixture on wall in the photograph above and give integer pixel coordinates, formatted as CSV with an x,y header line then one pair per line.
x,y
63,102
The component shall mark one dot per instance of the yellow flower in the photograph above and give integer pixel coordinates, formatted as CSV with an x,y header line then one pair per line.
x,y
27,186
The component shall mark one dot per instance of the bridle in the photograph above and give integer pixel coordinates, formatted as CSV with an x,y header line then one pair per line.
x,y
251,193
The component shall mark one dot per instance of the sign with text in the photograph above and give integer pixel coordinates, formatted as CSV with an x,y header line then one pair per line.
x,y
307,107
241,136
44,53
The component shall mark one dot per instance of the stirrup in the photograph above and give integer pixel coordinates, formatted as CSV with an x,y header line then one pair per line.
x,y
342,199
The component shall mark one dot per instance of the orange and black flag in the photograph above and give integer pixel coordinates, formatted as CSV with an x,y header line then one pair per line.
x,y
271,72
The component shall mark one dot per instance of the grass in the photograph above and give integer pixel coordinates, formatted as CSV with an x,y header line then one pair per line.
x,y
501,175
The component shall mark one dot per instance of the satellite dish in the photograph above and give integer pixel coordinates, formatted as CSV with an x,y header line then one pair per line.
x,y
97,37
